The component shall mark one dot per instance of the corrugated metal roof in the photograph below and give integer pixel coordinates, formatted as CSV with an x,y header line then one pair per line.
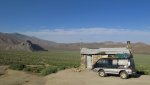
x,y
105,50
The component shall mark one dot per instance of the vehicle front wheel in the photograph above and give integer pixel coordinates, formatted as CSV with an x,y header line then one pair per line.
x,y
124,75
102,73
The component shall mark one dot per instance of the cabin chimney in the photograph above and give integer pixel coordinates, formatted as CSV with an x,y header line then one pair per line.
x,y
128,45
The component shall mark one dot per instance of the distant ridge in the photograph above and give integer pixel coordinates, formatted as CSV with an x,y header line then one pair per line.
x,y
27,46
16,41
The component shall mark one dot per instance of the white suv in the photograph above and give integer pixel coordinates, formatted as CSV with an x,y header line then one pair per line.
x,y
106,66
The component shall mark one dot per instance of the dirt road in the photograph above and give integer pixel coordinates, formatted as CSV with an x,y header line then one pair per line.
x,y
13,77
69,77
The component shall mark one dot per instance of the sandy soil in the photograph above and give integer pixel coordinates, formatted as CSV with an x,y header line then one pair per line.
x,y
68,77
21,78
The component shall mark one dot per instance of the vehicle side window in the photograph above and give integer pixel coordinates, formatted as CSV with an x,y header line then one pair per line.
x,y
103,63
99,63
106,63
109,63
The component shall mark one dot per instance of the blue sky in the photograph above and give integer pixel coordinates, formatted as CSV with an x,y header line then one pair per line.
x,y
78,20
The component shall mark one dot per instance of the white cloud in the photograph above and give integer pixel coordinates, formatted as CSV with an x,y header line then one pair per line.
x,y
91,34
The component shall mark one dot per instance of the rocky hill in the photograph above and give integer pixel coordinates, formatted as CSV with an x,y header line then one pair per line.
x,y
26,46
15,41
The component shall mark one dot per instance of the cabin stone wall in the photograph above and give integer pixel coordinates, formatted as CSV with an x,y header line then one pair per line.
x,y
83,62
95,58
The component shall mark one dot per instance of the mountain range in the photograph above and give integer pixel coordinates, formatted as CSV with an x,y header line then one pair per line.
x,y
16,41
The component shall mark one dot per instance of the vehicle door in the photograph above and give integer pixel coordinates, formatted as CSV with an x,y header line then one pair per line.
x,y
111,66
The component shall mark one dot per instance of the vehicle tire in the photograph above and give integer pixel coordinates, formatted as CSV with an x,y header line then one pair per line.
x,y
124,75
102,73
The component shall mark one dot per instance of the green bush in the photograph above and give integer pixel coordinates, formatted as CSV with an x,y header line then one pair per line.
x,y
27,69
17,66
49,70
143,69
76,65
34,69
143,72
60,59
61,67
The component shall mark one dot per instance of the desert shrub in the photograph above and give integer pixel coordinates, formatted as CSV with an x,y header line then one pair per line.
x,y
34,69
49,70
76,65
16,66
143,69
27,69
145,72
61,67
61,59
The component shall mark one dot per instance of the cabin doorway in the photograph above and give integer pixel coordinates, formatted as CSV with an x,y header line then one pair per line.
x,y
89,61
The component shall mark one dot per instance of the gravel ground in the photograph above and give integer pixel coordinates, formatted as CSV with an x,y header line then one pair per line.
x,y
68,77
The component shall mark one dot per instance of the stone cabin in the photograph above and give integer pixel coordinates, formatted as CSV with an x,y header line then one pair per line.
x,y
90,56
